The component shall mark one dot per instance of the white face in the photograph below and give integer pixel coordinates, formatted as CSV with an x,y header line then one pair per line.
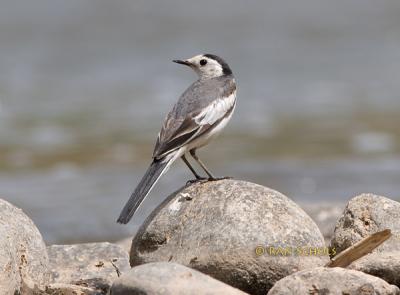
x,y
205,67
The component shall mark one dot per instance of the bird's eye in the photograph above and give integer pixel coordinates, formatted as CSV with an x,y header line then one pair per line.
x,y
203,62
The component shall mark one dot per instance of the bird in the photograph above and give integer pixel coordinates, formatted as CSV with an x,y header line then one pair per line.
x,y
199,115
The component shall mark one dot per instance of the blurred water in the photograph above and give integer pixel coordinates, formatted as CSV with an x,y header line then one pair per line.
x,y
85,85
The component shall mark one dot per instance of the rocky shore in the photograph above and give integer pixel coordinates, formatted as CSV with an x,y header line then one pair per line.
x,y
220,237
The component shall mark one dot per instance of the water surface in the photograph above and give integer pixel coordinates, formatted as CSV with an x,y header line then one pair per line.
x,y
85,85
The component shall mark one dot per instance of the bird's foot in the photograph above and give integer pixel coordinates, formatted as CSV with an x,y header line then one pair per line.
x,y
219,178
200,179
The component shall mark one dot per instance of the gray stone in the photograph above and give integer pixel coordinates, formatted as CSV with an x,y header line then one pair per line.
x,y
67,289
23,257
365,215
92,265
168,279
216,226
332,281
385,265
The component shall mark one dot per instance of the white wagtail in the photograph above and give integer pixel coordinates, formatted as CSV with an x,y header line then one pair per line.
x,y
200,114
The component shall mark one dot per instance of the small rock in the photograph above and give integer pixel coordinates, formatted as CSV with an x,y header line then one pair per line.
x,y
385,265
92,265
365,215
168,279
216,227
24,264
332,281
68,289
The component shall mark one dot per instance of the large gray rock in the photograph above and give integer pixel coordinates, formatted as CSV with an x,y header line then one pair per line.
x,y
385,265
215,227
332,281
24,264
365,215
168,279
92,265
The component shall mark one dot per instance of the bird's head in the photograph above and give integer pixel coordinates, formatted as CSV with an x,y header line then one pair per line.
x,y
207,65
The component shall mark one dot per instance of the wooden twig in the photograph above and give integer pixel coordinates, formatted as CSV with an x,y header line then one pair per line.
x,y
116,268
359,249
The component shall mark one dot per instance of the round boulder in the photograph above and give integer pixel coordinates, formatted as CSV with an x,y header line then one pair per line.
x,y
241,233
365,215
324,280
24,264
385,265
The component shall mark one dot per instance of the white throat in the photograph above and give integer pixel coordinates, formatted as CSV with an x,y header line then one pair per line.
x,y
209,72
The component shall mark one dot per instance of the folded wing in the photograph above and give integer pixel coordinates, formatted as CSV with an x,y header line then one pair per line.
x,y
191,118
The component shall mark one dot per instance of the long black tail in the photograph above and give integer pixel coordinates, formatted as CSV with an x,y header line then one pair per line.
x,y
150,178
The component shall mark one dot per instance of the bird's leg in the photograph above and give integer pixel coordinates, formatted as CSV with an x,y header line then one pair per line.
x,y
210,176
198,177
190,167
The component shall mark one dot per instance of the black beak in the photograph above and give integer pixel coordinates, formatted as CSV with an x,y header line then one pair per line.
x,y
182,62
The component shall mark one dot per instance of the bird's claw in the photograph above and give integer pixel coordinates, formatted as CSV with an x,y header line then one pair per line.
x,y
200,179
205,179
219,178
